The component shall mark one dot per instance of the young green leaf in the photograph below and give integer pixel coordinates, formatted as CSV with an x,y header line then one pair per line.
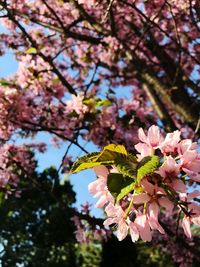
x,y
106,157
89,161
147,166
31,50
87,165
4,83
104,103
79,163
125,191
111,152
117,183
126,166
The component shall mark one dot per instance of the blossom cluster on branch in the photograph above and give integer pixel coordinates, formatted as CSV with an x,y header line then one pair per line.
x,y
134,190
15,162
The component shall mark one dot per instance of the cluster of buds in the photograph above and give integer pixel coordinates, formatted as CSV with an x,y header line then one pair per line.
x,y
135,189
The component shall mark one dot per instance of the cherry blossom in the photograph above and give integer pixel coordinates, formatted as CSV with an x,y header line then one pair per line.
x,y
138,212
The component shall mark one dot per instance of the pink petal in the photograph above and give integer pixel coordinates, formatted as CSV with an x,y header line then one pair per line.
x,y
188,156
92,187
195,177
186,226
153,217
101,202
143,149
171,141
186,145
111,210
178,185
196,219
143,227
141,198
195,166
148,186
169,166
142,136
101,171
98,187
134,232
166,203
193,194
154,136
122,230
109,221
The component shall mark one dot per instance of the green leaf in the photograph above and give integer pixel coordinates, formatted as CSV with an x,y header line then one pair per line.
x,y
31,50
127,166
116,148
129,55
106,157
87,165
104,103
90,102
4,83
117,183
111,152
147,166
125,191
79,164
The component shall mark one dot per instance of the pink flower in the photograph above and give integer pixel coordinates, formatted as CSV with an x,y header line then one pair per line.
x,y
192,214
116,215
99,188
190,159
151,141
153,138
170,167
186,145
170,170
170,142
157,194
76,104
144,150
153,198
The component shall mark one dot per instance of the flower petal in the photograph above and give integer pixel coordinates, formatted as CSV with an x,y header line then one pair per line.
x,y
186,226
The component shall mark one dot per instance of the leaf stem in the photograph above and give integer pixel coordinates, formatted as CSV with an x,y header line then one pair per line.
x,y
129,207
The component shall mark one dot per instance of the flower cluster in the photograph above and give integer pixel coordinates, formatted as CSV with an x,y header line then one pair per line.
x,y
163,188
15,162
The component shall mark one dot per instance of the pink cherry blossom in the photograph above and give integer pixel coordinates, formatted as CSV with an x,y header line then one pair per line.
x,y
170,170
117,216
192,212
170,143
153,138
99,188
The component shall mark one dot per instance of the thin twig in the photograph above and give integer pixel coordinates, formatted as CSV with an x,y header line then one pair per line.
x,y
107,11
